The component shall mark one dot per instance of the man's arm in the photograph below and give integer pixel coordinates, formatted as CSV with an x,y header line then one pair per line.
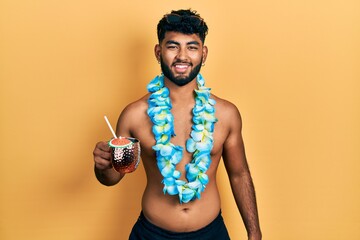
x,y
239,175
104,171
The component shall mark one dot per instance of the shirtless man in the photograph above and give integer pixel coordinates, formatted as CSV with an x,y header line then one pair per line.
x,y
181,53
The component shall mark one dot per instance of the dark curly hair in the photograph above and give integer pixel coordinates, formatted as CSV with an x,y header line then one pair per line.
x,y
182,21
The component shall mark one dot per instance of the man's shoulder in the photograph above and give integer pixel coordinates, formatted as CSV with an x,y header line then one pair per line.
x,y
227,112
224,105
135,111
228,115
138,105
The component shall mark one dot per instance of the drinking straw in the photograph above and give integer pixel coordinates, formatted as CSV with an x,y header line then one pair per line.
x,y
111,129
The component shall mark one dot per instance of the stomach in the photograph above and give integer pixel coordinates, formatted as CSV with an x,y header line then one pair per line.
x,y
165,211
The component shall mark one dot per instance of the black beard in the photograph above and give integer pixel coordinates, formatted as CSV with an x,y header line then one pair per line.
x,y
182,80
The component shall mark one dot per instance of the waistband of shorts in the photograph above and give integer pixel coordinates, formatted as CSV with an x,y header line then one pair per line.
x,y
180,235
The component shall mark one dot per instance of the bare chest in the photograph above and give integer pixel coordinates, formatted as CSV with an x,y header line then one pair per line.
x,y
182,127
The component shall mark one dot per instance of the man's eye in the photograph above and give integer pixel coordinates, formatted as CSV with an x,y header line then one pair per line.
x,y
171,47
193,47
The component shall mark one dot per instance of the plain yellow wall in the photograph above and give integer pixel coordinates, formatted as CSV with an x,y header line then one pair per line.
x,y
292,68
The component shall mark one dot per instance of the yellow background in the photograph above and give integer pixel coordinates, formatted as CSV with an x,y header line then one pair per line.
x,y
292,68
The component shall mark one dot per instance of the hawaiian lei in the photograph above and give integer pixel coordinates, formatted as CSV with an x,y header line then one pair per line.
x,y
200,143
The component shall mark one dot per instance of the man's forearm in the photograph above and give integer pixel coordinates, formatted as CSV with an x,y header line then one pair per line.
x,y
244,193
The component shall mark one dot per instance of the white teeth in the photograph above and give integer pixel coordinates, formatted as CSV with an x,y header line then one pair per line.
x,y
181,66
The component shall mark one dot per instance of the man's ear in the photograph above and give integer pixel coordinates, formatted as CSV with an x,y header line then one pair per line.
x,y
205,53
157,51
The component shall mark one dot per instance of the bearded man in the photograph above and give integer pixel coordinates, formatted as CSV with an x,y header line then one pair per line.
x,y
184,131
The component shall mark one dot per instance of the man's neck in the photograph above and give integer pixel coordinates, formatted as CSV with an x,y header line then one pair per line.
x,y
181,94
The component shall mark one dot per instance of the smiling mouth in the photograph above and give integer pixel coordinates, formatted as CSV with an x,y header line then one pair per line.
x,y
181,67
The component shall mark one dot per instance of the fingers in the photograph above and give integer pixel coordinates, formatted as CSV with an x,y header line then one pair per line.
x,y
102,156
103,146
103,165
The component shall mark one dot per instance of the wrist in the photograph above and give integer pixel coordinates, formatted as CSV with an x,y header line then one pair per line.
x,y
255,236
108,176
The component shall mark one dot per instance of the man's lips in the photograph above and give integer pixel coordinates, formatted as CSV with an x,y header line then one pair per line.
x,y
181,67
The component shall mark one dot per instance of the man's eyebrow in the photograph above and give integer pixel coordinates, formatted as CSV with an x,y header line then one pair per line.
x,y
193,42
177,43
172,42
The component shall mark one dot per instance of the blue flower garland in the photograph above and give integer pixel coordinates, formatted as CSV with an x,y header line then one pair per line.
x,y
200,143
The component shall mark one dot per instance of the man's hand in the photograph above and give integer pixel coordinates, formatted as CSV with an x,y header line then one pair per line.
x,y
103,168
102,156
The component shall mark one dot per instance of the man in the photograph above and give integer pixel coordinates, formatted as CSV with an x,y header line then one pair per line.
x,y
183,137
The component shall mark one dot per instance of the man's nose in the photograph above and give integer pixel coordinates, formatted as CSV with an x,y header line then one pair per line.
x,y
182,54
